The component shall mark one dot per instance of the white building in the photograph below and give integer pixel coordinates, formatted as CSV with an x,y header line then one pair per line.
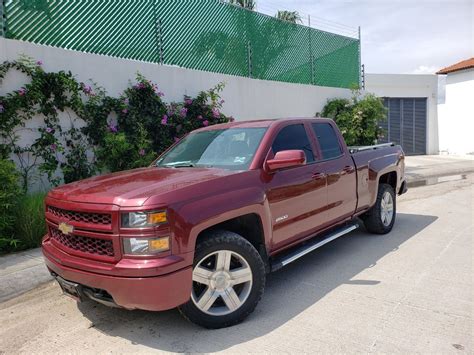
x,y
412,115
456,114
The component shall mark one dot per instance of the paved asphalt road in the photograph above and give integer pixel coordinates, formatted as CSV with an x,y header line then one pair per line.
x,y
409,291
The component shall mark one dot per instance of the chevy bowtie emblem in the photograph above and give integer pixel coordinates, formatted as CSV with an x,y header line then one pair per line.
x,y
65,228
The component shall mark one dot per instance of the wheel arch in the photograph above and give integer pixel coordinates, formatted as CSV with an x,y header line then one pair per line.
x,y
250,226
390,178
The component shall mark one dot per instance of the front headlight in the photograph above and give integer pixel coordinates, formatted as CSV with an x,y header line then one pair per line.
x,y
145,246
143,219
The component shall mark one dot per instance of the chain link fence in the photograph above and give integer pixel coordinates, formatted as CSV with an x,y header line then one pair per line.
x,y
207,35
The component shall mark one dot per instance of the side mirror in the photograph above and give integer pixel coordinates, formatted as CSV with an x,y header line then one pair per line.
x,y
286,159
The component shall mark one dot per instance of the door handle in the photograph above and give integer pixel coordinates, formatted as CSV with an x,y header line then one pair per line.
x,y
318,176
348,169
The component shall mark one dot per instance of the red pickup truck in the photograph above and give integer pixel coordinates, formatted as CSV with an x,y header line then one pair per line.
x,y
202,226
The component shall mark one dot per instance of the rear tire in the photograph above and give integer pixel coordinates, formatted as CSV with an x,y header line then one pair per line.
x,y
228,281
381,217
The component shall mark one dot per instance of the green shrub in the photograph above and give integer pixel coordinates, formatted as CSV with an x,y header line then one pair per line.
x,y
119,153
9,195
30,225
144,124
357,118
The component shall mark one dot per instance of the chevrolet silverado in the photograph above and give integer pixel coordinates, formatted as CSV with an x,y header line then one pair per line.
x,y
201,227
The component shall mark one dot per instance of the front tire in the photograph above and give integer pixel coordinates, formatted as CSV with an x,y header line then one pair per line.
x,y
381,217
228,281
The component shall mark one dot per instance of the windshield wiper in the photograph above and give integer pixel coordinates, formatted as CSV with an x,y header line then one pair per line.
x,y
190,165
180,164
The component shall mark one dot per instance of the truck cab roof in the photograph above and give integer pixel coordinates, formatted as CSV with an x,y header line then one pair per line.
x,y
259,123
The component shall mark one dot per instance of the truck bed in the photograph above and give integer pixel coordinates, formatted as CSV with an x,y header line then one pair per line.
x,y
357,149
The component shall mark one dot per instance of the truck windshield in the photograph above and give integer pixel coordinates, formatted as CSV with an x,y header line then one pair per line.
x,y
232,148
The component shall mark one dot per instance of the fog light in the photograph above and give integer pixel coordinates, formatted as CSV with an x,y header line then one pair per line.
x,y
145,246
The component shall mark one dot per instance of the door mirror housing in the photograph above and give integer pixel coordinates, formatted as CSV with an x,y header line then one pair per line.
x,y
286,159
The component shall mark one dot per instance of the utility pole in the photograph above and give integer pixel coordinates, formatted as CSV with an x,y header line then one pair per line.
x,y
360,60
363,76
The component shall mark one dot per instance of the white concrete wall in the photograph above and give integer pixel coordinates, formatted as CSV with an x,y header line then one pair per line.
x,y
245,99
456,114
409,85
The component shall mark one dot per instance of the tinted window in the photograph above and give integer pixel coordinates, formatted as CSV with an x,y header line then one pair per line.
x,y
328,140
293,137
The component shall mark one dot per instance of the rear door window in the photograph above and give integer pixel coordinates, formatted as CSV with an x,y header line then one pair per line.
x,y
294,137
328,140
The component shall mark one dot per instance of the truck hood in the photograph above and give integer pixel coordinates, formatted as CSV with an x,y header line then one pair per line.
x,y
133,187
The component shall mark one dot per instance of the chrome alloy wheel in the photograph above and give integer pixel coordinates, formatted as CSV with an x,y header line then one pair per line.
x,y
222,282
386,209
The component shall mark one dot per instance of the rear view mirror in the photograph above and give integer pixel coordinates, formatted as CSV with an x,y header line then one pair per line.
x,y
286,159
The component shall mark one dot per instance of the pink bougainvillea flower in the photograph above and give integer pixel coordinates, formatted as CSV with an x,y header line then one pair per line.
x,y
22,92
183,112
113,128
188,102
199,117
139,86
141,152
49,129
125,111
53,147
216,113
87,90
205,123
160,94
164,120
170,110
39,62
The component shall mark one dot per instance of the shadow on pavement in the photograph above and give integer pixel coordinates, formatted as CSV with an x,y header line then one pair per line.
x,y
316,274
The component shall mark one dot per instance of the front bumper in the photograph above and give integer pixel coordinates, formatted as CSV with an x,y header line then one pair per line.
x,y
153,293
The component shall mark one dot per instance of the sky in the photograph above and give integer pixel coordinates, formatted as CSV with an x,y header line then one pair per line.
x,y
398,36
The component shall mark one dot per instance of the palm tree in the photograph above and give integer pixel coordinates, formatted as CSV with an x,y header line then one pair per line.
x,y
289,16
246,4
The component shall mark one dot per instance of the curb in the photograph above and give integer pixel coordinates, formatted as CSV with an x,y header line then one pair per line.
x,y
414,177
21,272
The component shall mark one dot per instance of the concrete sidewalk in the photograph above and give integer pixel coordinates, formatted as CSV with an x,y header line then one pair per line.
x,y
421,167
21,272
24,271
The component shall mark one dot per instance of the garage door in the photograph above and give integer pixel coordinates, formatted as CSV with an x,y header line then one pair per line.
x,y
406,124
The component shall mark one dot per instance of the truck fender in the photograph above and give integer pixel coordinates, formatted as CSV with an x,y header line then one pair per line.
x,y
199,215
379,167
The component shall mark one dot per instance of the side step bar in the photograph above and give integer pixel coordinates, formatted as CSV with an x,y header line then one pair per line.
x,y
312,245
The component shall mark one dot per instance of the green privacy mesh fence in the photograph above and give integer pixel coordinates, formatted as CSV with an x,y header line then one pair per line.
x,y
207,35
